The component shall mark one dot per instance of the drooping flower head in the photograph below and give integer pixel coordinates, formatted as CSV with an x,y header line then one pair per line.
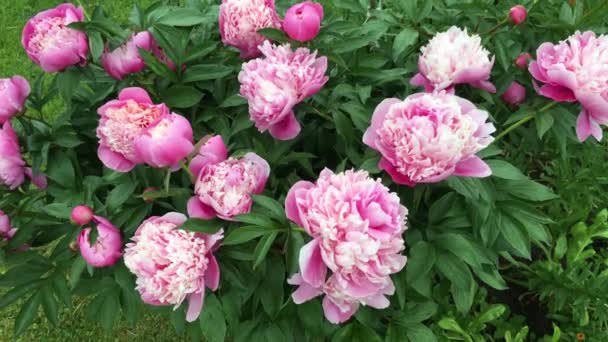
x,y
6,231
172,264
275,83
12,167
356,224
303,21
224,185
577,70
454,57
240,21
107,248
13,93
428,137
49,41
132,130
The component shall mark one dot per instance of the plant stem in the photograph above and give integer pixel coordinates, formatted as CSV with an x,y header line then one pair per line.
x,y
323,115
185,168
523,121
500,23
167,180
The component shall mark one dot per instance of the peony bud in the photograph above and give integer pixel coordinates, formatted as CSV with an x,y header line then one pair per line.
x,y
81,215
515,94
107,248
146,190
522,60
303,21
518,14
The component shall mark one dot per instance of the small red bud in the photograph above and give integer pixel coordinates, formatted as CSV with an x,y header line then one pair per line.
x,y
518,14
81,215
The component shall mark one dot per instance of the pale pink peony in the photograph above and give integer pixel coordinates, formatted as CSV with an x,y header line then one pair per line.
x,y
6,231
13,93
577,70
356,224
303,21
224,185
49,41
172,264
132,130
428,137
107,248
241,19
515,94
275,83
454,57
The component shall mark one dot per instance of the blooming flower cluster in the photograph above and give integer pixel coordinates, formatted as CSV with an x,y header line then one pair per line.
x,y
357,226
132,130
576,70
224,185
274,84
171,264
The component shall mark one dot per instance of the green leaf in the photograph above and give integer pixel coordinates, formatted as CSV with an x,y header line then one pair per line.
x,y
463,296
108,310
197,225
406,38
59,210
119,195
60,286
17,292
262,248
417,313
420,261
527,189
343,125
60,170
395,332
455,270
505,170
344,334
28,313
271,287
561,246
212,320
514,235
182,96
275,209
544,121
76,270
420,332
490,314
95,45
565,14
501,54
67,82
256,219
465,249
450,324
205,72
181,17
243,234
158,67
49,304
371,165
274,34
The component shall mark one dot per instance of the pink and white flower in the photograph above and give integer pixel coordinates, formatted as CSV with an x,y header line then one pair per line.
x,y
576,70
428,137
49,41
172,264
240,21
107,248
13,93
454,57
356,224
275,83
224,185
132,130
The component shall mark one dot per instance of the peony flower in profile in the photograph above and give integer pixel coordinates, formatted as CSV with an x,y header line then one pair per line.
x,y
454,57
224,185
6,231
576,70
13,93
107,248
275,83
172,264
356,225
303,21
240,21
428,137
125,59
13,169
50,43
515,94
132,130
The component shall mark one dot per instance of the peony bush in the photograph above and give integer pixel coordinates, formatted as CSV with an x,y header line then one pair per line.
x,y
332,170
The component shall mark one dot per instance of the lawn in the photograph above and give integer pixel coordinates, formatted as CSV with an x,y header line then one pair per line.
x,y
74,325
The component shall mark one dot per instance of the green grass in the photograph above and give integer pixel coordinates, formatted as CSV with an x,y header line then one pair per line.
x,y
73,324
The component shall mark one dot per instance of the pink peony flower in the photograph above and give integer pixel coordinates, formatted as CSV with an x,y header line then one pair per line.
x,y
224,185
428,137
6,231
303,21
356,224
81,215
107,247
13,93
132,130
49,41
518,14
240,21
125,59
515,94
454,57
273,85
173,264
12,167
577,70
522,60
